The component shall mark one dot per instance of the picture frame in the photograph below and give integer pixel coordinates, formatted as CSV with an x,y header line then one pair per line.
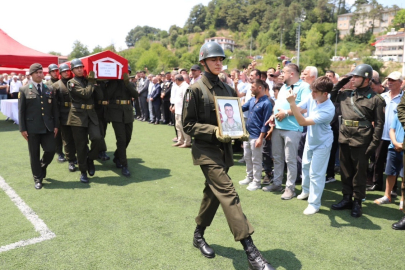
x,y
230,116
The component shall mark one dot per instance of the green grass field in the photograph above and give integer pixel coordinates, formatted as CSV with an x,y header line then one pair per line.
x,y
147,221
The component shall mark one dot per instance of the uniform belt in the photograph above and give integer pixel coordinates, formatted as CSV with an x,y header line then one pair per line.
x,y
122,102
67,104
83,106
351,123
103,102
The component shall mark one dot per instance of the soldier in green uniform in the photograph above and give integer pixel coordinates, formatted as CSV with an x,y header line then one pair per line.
x,y
54,72
213,152
359,135
101,110
120,93
39,122
83,118
64,104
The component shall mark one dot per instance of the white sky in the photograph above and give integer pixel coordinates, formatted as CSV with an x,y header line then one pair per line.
x,y
54,25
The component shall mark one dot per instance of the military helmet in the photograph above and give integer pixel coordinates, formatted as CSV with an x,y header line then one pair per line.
x,y
76,63
363,70
63,67
211,49
52,67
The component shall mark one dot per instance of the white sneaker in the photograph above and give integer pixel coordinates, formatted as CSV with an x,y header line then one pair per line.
x,y
245,181
303,196
253,186
242,160
310,210
330,180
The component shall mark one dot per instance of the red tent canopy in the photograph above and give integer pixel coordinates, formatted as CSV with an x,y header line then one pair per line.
x,y
16,55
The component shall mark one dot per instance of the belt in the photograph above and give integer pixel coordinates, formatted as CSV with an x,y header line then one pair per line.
x,y
104,102
83,106
351,123
123,102
67,104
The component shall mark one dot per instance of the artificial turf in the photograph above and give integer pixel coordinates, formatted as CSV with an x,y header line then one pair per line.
x,y
147,221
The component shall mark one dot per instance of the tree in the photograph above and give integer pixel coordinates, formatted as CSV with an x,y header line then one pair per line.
x,y
181,42
149,59
79,50
196,18
55,53
97,49
313,39
399,19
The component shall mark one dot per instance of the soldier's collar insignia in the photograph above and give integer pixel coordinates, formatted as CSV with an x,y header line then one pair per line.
x,y
30,86
369,96
72,85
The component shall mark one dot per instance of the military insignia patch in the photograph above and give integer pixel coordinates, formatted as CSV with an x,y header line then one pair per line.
x,y
369,96
19,94
30,86
72,85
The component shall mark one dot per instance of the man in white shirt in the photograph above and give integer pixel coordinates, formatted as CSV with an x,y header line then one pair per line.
x,y
183,140
175,87
15,85
150,87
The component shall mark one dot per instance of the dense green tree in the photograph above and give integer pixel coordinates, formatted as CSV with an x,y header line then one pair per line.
x,y
399,19
79,50
97,49
55,53
196,18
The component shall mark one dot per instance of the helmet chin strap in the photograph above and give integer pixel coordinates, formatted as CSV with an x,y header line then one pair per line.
x,y
209,70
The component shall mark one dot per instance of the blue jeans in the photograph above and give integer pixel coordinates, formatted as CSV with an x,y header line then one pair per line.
x,y
314,164
2,96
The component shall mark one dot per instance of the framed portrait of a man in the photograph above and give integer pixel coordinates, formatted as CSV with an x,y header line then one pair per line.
x,y
230,116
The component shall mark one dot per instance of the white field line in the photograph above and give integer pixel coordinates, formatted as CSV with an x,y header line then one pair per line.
x,y
39,224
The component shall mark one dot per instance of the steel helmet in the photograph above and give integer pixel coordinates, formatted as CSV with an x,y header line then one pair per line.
x,y
52,67
211,49
76,63
363,70
63,67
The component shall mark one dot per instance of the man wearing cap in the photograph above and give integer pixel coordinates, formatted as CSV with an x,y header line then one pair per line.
x,y
213,152
39,122
83,118
359,135
196,73
54,77
64,102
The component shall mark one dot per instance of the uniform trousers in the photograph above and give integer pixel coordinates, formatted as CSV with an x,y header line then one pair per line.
x,y
81,136
47,142
353,170
102,124
68,142
314,164
58,143
123,135
219,189
253,158
285,148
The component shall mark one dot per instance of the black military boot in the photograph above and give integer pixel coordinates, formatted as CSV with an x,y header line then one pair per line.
x,y
125,171
43,170
84,178
38,184
90,167
103,156
72,166
345,203
356,208
400,225
256,261
199,242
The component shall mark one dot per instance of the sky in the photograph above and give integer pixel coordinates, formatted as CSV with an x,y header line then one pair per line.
x,y
91,22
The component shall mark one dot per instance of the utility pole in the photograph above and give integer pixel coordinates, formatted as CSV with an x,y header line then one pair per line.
x,y
299,20
281,38
336,42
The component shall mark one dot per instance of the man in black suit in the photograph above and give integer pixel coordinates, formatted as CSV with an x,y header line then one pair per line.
x,y
143,95
156,100
39,122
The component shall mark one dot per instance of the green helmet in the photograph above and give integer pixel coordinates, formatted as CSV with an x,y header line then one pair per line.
x,y
52,67
76,63
211,49
63,67
363,70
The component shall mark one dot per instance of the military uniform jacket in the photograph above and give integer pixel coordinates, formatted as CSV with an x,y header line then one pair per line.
x,y
63,99
372,106
37,114
81,93
401,114
118,90
167,89
206,149
51,82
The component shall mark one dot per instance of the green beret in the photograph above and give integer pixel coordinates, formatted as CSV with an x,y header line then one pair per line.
x,y
35,67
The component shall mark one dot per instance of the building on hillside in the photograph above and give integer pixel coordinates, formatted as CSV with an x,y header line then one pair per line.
x,y
226,43
390,47
364,23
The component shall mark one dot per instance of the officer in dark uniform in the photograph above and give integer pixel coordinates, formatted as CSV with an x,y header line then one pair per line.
x,y
213,152
120,93
54,73
39,122
359,134
165,95
101,110
83,118
64,104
